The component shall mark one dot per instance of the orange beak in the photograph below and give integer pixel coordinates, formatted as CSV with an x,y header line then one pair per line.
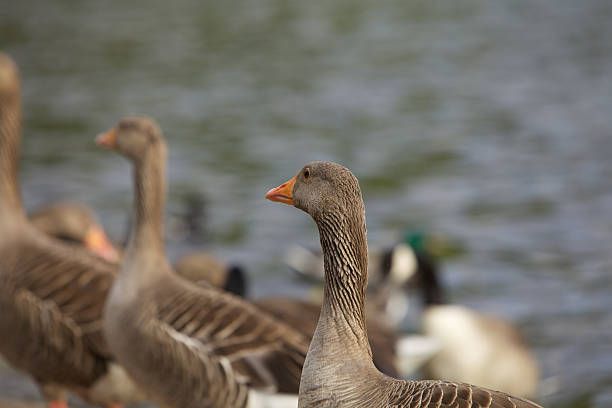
x,y
282,193
96,240
107,139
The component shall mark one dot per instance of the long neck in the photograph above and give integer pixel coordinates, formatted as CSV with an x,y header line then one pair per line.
x,y
10,143
149,200
345,252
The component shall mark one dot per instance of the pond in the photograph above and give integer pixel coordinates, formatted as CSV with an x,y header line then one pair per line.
x,y
486,123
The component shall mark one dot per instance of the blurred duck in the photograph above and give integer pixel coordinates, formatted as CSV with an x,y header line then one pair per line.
x,y
474,347
191,346
74,223
338,370
395,355
51,294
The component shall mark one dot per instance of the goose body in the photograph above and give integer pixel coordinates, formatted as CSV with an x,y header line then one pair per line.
x,y
51,294
189,345
338,370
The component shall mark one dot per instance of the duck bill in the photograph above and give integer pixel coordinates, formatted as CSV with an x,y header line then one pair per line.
x,y
282,193
96,241
107,139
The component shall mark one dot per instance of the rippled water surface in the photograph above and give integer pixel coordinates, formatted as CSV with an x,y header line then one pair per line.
x,y
487,123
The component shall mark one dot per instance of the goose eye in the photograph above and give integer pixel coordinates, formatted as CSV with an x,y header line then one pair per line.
x,y
306,173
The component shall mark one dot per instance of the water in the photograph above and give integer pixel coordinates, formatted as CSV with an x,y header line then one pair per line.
x,y
486,123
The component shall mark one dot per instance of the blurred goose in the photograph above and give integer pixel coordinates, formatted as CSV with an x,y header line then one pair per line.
x,y
74,223
51,294
474,347
191,346
395,355
338,370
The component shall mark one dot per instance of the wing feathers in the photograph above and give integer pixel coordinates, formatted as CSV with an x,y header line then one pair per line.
x,y
255,345
441,394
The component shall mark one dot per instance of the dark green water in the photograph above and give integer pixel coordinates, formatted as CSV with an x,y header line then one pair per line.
x,y
486,123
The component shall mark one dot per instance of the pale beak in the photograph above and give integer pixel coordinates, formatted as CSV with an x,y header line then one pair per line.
x,y
282,193
107,139
96,240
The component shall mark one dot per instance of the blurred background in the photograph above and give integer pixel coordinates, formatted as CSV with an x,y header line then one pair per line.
x,y
486,123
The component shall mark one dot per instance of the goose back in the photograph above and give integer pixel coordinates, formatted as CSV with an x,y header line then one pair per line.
x,y
53,298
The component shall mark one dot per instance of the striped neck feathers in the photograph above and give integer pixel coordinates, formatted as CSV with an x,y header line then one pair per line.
x,y
345,254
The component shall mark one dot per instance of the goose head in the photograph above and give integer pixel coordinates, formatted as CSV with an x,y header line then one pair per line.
x,y
330,194
134,137
321,189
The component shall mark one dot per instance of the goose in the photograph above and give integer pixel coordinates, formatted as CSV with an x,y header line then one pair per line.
x,y
338,370
51,294
74,223
189,345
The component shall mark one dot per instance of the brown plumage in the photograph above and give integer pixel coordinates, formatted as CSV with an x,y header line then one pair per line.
x,y
299,314
338,370
303,316
51,294
191,346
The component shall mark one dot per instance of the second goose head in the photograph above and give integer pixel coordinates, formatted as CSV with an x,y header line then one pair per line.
x,y
321,189
134,137
140,140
